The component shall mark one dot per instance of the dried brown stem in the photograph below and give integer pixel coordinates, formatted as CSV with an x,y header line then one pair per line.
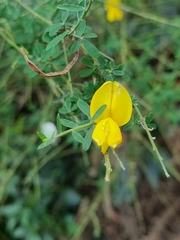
x,y
51,74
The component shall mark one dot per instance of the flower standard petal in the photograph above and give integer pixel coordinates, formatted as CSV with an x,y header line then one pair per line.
x,y
117,99
121,104
102,96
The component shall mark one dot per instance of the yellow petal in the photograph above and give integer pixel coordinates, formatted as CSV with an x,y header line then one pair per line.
x,y
101,96
117,99
114,12
107,134
114,137
99,133
121,104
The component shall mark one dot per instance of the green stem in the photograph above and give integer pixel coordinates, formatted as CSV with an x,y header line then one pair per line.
x,y
69,82
8,40
108,167
106,56
86,216
96,225
149,16
118,159
82,17
72,130
33,12
142,120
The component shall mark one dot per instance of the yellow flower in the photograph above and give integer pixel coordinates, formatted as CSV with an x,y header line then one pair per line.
x,y
117,113
114,12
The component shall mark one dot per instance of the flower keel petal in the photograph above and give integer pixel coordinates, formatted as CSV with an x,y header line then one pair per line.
x,y
107,133
115,136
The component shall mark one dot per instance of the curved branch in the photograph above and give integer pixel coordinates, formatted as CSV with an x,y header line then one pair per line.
x,y
51,74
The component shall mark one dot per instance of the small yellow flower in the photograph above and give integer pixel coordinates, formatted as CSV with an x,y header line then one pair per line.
x,y
114,13
117,113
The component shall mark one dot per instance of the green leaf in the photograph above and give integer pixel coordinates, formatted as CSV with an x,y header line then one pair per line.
x,y
128,126
37,50
88,29
88,139
46,38
41,135
78,137
109,77
58,123
98,112
90,35
11,12
54,28
118,73
134,99
81,28
45,144
126,77
84,107
55,51
83,4
70,7
137,118
86,61
152,125
64,16
121,67
68,104
149,118
45,55
68,123
56,40
75,46
64,110
101,60
86,72
91,49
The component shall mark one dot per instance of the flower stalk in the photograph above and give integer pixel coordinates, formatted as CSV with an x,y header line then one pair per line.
x,y
108,167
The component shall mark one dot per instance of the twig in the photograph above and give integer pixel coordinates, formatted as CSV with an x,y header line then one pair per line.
x,y
51,74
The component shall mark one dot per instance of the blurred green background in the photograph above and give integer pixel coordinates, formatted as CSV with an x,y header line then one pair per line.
x,y
59,192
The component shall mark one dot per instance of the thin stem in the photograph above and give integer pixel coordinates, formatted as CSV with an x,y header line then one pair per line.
x,y
118,159
108,167
96,225
82,17
106,56
33,12
149,16
142,120
86,216
69,82
72,130
7,39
